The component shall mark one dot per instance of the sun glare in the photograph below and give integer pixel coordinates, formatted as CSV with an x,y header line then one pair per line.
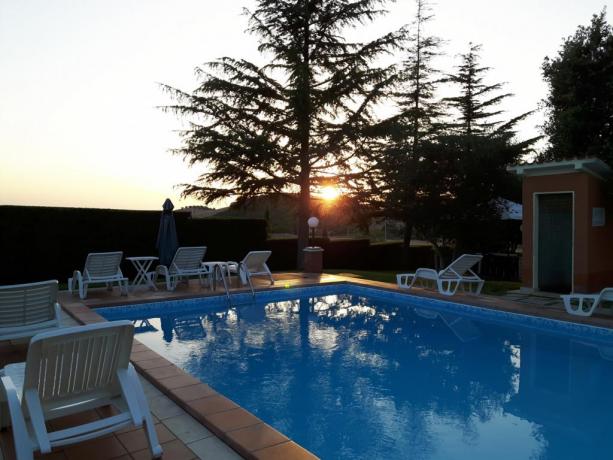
x,y
330,193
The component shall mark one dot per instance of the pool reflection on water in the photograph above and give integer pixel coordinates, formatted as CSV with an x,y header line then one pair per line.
x,y
354,377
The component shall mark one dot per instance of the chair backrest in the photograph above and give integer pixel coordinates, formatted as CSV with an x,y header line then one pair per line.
x,y
463,263
102,264
188,258
255,261
78,364
27,304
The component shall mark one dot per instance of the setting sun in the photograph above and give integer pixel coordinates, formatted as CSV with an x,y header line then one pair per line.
x,y
329,193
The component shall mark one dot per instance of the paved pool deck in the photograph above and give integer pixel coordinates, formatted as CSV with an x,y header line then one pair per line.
x,y
193,420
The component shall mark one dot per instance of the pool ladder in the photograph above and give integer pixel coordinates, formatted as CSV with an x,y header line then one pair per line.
x,y
218,270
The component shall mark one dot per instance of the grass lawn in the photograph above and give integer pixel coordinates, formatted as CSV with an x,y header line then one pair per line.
x,y
387,276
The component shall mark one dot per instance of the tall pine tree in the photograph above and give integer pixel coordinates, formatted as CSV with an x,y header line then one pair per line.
x,y
293,124
465,173
414,126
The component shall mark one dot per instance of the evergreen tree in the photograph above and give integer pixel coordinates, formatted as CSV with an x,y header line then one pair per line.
x,y
580,101
288,126
413,127
477,104
464,174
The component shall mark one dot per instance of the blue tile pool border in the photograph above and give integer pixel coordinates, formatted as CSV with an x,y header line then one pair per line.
x,y
484,313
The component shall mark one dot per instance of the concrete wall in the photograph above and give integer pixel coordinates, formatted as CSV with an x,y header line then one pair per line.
x,y
593,249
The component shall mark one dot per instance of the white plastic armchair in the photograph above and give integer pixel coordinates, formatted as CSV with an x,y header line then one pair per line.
x,y
69,371
186,262
458,273
254,264
27,309
100,268
585,304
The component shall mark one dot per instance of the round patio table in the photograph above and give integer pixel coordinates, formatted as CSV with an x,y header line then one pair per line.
x,y
222,273
142,264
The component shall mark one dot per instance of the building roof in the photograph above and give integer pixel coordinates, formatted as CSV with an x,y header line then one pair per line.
x,y
593,166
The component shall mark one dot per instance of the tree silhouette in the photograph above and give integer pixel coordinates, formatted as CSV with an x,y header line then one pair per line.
x,y
296,123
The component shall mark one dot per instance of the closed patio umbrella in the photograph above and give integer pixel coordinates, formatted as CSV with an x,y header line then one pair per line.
x,y
167,242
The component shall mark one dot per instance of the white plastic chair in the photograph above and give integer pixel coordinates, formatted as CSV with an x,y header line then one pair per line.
x,y
585,304
254,264
72,370
100,267
186,262
448,280
27,309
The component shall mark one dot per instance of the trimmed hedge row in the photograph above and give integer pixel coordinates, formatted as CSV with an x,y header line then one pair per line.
x,y
39,243
356,254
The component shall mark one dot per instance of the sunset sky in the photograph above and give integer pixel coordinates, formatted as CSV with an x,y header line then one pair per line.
x,y
78,83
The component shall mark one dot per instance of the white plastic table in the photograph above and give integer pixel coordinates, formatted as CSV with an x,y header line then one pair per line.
x,y
142,265
214,275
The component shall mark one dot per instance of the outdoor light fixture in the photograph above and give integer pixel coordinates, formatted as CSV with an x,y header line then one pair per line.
x,y
313,223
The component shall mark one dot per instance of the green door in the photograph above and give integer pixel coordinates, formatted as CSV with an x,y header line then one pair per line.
x,y
555,242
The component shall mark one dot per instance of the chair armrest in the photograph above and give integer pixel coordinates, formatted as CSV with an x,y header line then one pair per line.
x,y
37,420
23,444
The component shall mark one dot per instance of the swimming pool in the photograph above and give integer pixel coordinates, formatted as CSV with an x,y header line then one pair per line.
x,y
354,372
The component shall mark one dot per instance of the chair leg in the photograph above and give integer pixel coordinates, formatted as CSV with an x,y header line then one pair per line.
x,y
447,287
82,290
154,443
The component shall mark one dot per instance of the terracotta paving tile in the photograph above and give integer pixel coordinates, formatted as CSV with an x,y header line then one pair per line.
x,y
192,392
232,419
137,439
164,372
211,405
284,451
173,450
143,356
177,381
256,437
54,455
75,309
74,420
137,347
6,442
97,449
90,318
153,363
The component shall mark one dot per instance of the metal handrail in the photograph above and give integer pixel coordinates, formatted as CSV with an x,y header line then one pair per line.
x,y
217,268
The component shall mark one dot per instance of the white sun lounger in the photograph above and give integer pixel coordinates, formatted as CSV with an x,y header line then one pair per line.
x,y
448,280
254,264
69,371
186,262
27,309
100,268
585,304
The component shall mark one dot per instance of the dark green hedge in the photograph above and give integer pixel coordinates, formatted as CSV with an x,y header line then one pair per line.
x,y
357,254
38,243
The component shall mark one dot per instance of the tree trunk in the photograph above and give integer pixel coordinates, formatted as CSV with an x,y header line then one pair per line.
x,y
304,211
304,128
406,243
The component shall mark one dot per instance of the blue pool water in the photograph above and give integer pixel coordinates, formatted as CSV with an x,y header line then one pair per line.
x,y
353,372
